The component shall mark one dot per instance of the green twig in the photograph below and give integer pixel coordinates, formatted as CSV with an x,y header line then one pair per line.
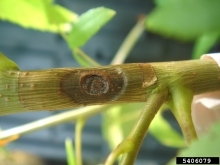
x,y
129,43
155,101
130,146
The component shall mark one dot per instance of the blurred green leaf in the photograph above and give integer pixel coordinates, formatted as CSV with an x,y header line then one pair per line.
x,y
206,146
87,25
160,2
58,14
70,152
83,59
205,43
7,64
185,19
164,133
36,14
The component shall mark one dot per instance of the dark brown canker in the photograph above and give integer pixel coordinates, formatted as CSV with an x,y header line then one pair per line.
x,y
94,84
97,86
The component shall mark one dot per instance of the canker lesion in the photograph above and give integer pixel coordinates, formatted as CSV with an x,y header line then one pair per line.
x,y
91,87
94,84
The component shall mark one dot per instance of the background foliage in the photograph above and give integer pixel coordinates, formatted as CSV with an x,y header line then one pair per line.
x,y
186,20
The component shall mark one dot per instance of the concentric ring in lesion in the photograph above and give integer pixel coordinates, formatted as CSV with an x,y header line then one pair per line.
x,y
94,84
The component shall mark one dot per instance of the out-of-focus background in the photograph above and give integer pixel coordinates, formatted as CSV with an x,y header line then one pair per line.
x,y
33,50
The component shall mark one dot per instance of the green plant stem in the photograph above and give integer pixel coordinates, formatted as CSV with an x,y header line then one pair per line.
x,y
136,136
129,43
78,143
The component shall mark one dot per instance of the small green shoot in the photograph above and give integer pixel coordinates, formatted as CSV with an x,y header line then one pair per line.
x,y
180,105
78,139
70,152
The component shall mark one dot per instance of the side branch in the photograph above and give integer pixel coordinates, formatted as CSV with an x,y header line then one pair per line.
x,y
155,101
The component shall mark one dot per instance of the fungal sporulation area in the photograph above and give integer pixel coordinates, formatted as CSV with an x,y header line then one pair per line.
x,y
94,84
